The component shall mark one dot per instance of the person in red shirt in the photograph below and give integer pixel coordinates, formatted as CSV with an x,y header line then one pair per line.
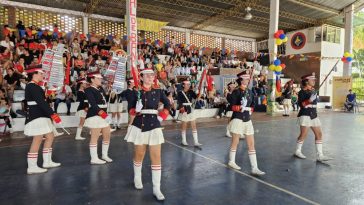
x,y
19,67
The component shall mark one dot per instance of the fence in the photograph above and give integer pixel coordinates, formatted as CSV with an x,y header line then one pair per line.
x,y
358,89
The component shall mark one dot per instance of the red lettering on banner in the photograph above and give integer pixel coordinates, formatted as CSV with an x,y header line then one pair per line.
x,y
132,7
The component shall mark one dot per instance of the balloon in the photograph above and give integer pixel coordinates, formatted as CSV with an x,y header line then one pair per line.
x,y
343,59
55,35
276,35
34,32
285,39
280,31
282,36
277,62
50,33
279,41
346,54
272,67
349,59
283,66
351,55
279,68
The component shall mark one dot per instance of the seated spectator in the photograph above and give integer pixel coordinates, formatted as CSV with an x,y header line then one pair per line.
x,y
200,103
12,81
350,101
64,95
220,102
7,43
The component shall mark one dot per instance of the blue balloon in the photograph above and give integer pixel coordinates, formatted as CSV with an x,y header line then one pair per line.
x,y
349,59
277,73
40,33
282,36
277,62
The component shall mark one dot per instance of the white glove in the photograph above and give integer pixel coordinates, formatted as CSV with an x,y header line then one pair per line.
x,y
139,106
244,102
160,118
313,97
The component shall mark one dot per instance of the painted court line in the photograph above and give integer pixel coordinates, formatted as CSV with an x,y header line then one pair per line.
x,y
247,175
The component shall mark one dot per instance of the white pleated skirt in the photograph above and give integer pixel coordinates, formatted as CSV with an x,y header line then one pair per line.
x,y
96,122
116,107
186,117
152,137
81,113
39,126
241,128
306,121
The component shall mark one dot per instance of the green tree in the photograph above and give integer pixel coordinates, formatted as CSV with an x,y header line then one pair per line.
x,y
359,60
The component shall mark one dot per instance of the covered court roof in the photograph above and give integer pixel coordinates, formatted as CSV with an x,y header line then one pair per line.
x,y
221,16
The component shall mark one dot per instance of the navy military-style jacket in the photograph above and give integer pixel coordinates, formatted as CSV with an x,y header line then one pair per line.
x,y
81,98
182,99
128,94
150,100
96,100
36,101
303,98
236,101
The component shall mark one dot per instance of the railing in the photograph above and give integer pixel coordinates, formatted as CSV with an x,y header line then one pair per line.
x,y
358,89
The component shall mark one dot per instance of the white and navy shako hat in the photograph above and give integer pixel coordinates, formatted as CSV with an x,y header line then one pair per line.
x,y
147,71
34,68
309,77
94,74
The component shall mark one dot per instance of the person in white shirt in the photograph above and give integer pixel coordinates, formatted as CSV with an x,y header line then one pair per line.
x,y
64,95
7,43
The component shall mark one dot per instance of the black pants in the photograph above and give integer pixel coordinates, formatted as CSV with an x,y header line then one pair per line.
x,y
173,112
67,101
222,109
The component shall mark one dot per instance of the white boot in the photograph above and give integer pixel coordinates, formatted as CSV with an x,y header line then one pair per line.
x,y
105,151
138,175
119,123
156,179
227,132
56,133
298,152
232,163
320,156
32,164
254,164
47,159
195,138
184,141
94,157
78,134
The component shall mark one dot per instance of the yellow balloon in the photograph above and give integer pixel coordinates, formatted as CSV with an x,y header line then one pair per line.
x,y
50,33
346,54
351,55
285,39
279,41
34,31
272,67
279,68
